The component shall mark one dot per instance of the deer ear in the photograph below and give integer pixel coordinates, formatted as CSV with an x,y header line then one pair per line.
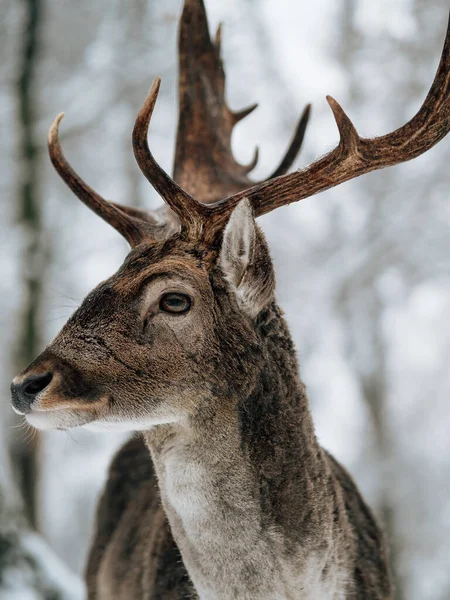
x,y
245,260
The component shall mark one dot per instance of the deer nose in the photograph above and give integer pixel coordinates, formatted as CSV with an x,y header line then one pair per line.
x,y
24,393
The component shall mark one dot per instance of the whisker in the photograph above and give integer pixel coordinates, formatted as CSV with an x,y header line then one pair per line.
x,y
55,319
64,306
20,425
54,290
69,433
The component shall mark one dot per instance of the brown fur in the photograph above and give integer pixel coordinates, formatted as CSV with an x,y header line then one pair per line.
x,y
228,494
234,383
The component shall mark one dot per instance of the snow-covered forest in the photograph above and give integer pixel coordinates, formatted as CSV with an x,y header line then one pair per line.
x,y
363,270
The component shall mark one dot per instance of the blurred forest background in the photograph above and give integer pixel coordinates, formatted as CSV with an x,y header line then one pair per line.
x,y
363,270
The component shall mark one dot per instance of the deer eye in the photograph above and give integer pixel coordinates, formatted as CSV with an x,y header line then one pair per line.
x,y
175,303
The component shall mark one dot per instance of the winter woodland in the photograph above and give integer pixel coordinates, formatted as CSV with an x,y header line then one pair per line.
x,y
363,270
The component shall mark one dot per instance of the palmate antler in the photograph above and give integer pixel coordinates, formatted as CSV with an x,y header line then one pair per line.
x,y
203,147
204,163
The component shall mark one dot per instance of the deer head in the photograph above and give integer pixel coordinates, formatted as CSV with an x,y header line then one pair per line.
x,y
177,327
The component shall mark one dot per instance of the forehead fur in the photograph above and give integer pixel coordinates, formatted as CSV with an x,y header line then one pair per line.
x,y
172,257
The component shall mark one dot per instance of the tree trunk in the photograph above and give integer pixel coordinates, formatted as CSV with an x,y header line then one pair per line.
x,y
33,256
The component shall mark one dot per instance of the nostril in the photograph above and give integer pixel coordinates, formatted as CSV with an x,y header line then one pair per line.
x,y
36,383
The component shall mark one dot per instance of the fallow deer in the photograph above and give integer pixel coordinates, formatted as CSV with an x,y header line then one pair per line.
x,y
226,493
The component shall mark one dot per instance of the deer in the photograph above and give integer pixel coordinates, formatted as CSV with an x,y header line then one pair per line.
x,y
223,492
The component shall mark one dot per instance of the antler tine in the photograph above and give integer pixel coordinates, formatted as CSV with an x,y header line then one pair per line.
x,y
188,209
295,145
130,228
354,155
241,114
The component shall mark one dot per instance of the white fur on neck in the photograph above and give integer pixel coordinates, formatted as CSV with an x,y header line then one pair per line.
x,y
216,523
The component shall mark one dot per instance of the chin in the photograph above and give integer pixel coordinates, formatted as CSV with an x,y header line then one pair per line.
x,y
60,419
128,424
66,418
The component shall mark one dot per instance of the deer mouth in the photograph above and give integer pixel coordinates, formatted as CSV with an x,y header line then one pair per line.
x,y
64,414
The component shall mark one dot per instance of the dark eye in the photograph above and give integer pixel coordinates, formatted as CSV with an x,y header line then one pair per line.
x,y
175,303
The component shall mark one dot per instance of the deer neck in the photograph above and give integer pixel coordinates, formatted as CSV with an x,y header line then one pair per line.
x,y
247,490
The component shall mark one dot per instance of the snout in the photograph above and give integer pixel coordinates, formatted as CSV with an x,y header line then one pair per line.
x,y
25,390
52,393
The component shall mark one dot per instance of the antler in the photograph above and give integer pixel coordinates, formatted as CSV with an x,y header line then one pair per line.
x,y
204,163
354,155
188,209
133,228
